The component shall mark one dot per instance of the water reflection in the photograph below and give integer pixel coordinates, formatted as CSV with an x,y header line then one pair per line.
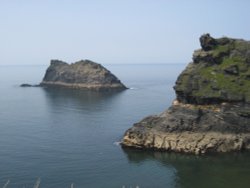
x,y
70,99
218,170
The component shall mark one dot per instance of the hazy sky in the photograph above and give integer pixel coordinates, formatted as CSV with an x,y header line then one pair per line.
x,y
115,31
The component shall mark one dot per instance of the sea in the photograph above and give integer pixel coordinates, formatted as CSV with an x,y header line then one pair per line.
x,y
62,138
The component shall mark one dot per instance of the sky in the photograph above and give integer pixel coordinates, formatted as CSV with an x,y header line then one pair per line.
x,y
33,32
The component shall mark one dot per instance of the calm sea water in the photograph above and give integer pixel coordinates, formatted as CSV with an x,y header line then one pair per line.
x,y
65,136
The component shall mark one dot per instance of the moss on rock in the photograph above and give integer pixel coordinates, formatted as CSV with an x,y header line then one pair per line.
x,y
220,74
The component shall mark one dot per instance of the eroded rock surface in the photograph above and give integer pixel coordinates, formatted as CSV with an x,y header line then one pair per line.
x,y
82,74
220,72
212,109
194,129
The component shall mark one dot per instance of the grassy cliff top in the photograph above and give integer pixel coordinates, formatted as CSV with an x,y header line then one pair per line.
x,y
220,72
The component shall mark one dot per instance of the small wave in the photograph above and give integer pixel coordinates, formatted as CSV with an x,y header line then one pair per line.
x,y
117,143
133,88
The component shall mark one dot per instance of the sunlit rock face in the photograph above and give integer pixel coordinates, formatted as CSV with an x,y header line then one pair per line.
x,y
219,73
83,74
211,112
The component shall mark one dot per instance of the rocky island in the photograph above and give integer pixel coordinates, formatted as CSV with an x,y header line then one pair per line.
x,y
211,112
84,74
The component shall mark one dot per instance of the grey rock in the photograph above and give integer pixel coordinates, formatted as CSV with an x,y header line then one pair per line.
x,y
25,85
220,74
211,112
234,70
83,74
207,42
29,85
194,129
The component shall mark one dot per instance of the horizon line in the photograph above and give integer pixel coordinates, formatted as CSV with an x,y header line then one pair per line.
x,y
5,65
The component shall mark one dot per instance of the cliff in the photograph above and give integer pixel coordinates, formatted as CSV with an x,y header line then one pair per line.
x,y
219,73
82,74
211,112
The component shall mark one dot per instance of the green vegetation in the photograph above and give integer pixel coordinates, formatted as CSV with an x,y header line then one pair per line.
x,y
226,79
218,82
221,50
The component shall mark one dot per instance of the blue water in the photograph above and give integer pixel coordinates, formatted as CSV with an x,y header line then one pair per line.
x,y
67,136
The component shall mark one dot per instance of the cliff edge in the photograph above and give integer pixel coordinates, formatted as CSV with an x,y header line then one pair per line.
x,y
211,112
82,74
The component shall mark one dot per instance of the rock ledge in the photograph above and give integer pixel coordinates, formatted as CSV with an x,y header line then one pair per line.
x,y
212,109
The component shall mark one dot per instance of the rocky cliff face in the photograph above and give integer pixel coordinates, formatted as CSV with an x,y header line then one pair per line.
x,y
82,74
220,72
212,109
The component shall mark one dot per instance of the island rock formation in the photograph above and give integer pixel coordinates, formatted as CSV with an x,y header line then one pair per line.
x,y
211,112
83,74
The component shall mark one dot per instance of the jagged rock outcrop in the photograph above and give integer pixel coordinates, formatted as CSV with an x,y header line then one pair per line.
x,y
220,72
83,74
212,109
